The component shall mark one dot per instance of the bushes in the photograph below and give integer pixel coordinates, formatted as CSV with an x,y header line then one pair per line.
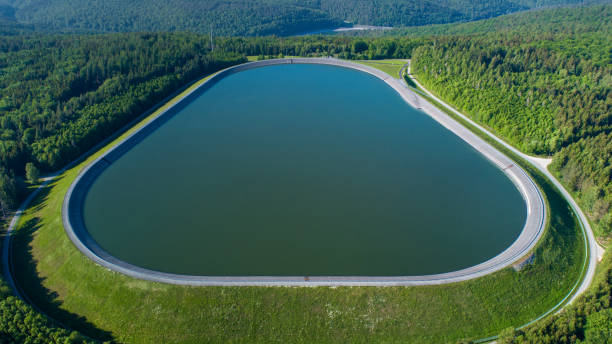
x,y
530,90
32,173
19,323
585,167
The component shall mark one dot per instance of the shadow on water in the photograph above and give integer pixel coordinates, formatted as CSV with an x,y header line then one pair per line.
x,y
31,284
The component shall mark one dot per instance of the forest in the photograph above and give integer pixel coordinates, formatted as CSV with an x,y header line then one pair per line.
x,y
20,323
585,167
247,17
352,48
540,93
542,20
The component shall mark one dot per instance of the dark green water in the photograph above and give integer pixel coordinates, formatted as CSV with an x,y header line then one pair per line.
x,y
303,170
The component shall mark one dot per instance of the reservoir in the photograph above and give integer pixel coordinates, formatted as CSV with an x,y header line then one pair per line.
x,y
302,170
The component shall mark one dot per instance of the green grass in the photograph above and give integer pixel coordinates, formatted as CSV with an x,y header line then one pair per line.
x,y
252,58
108,305
391,67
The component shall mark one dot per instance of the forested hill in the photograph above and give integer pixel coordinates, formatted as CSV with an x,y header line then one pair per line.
x,y
573,19
250,17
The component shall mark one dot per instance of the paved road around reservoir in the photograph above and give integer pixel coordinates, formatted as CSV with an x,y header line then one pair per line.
x,y
533,229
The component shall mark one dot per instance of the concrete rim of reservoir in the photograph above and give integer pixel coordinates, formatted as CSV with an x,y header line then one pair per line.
x,y
530,234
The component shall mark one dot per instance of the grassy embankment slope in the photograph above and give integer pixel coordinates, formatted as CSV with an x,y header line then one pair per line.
x,y
390,66
542,21
104,304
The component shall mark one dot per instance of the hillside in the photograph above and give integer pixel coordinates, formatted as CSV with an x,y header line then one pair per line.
x,y
556,20
247,17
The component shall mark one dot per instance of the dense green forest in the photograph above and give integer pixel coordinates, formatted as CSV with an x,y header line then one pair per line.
x,y
352,48
539,92
585,167
556,20
19,323
250,17
238,17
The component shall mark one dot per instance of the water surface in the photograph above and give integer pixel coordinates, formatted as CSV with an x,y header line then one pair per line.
x,y
303,170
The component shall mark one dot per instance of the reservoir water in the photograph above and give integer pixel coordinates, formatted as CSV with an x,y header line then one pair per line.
x,y
302,170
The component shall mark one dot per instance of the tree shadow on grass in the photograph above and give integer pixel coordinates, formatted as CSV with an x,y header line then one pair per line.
x,y
31,284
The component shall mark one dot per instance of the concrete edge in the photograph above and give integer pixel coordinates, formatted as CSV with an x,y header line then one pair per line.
x,y
532,230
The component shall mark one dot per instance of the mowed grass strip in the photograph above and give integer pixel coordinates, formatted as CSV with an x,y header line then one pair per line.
x,y
108,305
390,66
